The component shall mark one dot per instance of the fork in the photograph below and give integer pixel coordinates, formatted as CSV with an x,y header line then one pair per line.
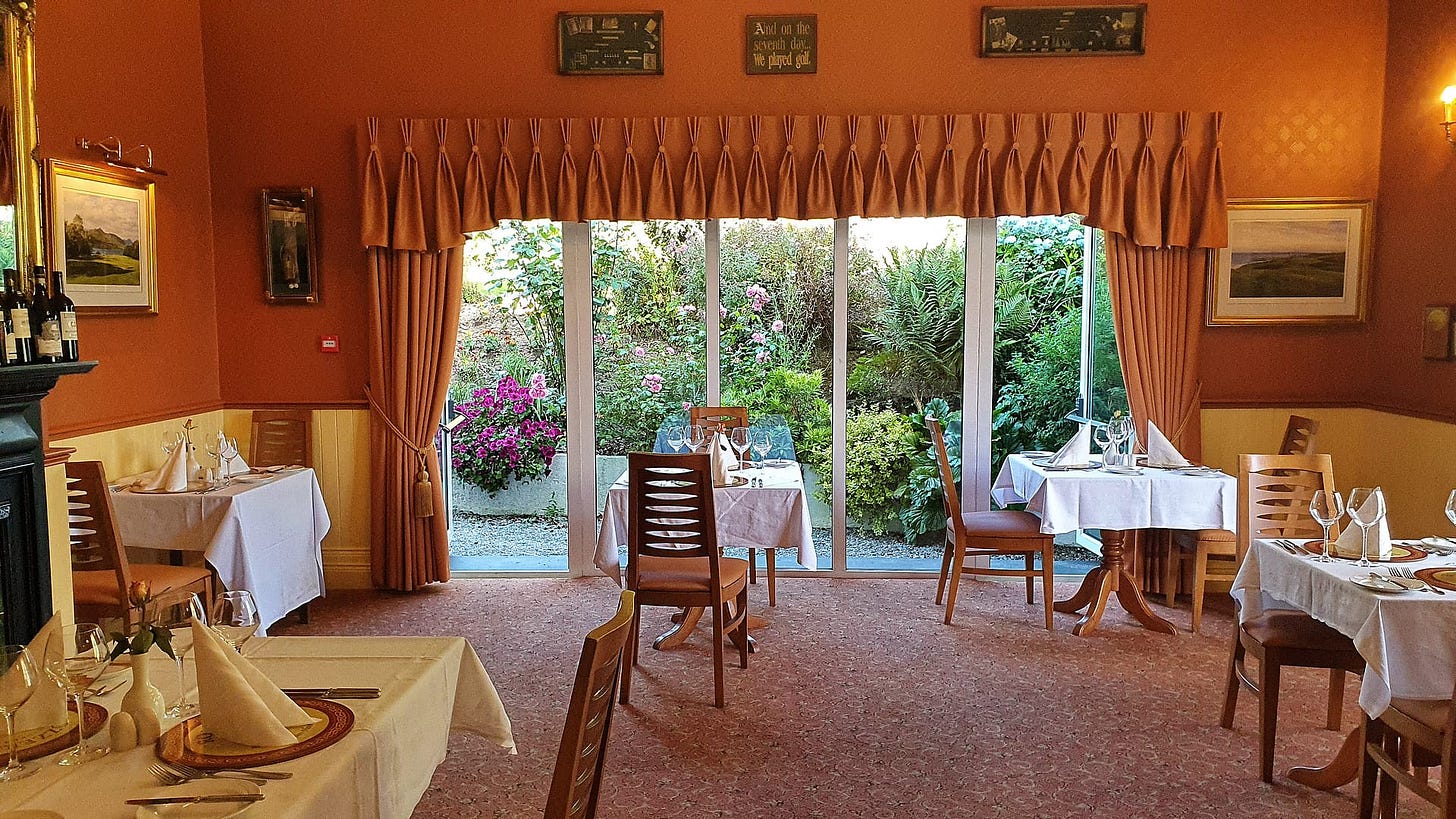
x,y
1400,571
167,776
188,770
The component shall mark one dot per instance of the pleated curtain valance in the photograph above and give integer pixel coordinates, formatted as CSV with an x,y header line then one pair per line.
x,y
1156,178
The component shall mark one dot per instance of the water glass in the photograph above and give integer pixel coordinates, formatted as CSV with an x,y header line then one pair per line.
x,y
761,441
676,436
188,608
18,679
1326,507
1451,507
1102,436
1367,508
696,436
85,654
739,438
235,617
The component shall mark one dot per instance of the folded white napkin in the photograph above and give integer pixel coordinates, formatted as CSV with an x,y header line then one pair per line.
x,y
724,461
1161,451
173,474
1348,543
239,704
47,704
1077,451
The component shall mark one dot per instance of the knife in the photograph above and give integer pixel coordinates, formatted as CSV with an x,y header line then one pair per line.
x,y
193,800
334,693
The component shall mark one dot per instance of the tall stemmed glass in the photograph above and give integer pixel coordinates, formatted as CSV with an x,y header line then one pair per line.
x,y
1326,507
18,678
738,437
1102,437
1451,507
235,617
227,450
761,442
1367,508
696,435
186,610
676,437
170,440
85,653
1121,430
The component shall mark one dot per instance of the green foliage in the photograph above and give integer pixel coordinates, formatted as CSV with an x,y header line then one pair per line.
x,y
917,339
881,446
922,496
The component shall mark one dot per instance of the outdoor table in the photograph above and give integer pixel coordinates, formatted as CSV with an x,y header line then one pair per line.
x,y
1408,638
263,535
429,687
1066,501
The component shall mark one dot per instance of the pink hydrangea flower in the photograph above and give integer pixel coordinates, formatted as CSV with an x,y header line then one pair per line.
x,y
687,405
778,326
759,338
761,356
671,351
652,383
600,338
538,381
639,351
722,311
537,393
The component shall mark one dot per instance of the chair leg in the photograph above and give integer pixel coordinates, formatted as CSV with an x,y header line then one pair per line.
x,y
1387,786
944,567
1232,685
629,655
1030,580
718,655
753,565
957,564
1368,769
1171,568
1268,714
1336,707
1047,567
743,625
1200,579
769,556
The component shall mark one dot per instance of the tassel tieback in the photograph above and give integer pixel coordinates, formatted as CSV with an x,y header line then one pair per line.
x,y
424,490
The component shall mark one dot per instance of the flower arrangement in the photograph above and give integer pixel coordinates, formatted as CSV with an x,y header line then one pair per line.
x,y
139,596
509,435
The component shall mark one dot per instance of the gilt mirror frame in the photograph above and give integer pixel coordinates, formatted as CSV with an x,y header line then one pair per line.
x,y
25,164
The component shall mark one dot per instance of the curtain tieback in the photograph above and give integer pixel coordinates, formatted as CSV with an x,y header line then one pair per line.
x,y
424,495
1191,412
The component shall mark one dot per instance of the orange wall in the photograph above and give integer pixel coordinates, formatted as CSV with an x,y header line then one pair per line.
x,y
1302,89
1416,214
110,68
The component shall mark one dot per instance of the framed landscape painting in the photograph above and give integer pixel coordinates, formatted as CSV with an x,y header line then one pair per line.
x,y
1292,261
103,237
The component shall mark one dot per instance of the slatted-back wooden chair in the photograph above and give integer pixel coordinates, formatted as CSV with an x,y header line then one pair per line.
x,y
725,420
1215,552
1274,495
100,570
672,554
578,776
281,438
1400,747
987,534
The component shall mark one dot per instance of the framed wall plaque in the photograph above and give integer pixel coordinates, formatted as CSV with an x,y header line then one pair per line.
x,y
628,42
103,237
290,246
1062,31
781,44
1438,335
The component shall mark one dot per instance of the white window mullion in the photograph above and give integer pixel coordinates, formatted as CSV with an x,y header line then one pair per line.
x,y
711,361
840,393
581,451
1089,311
980,332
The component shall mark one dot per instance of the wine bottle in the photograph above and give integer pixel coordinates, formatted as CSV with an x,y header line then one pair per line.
x,y
17,314
7,340
45,323
65,310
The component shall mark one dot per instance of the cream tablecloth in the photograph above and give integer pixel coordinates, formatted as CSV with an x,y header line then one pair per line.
x,y
774,516
1408,639
429,686
264,537
1094,499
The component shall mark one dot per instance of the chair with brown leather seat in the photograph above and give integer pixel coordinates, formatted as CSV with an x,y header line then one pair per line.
x,y
1400,746
1214,551
988,534
1274,495
578,776
100,570
672,554
282,438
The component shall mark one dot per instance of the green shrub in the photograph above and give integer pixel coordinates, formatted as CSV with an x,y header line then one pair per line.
x,y
922,496
880,451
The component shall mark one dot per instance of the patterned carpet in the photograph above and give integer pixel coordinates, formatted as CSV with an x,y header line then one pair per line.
x,y
861,703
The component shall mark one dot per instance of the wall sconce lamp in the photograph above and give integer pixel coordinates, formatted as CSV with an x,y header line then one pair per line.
x,y
1448,101
112,153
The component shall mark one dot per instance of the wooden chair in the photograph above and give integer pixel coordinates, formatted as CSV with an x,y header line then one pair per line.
x,y
281,438
578,775
984,534
726,419
100,571
1400,745
1274,494
672,554
1221,544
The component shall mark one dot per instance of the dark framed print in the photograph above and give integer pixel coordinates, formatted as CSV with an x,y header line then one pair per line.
x,y
1293,261
1062,31
103,237
1438,334
628,42
290,246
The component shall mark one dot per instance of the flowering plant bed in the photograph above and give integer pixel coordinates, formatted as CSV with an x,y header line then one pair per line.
x,y
509,435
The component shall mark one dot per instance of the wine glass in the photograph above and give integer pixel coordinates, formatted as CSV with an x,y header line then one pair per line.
x,y
739,438
235,617
85,653
1326,507
170,440
1102,436
1121,430
187,609
761,442
18,678
1451,507
1367,508
227,450
696,436
676,437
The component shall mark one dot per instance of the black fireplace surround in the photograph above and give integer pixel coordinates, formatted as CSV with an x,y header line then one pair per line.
x,y
25,574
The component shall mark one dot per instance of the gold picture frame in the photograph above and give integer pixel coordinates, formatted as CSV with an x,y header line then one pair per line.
x,y
1293,261
102,235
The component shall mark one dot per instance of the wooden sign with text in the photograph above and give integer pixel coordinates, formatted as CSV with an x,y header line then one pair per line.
x,y
781,44
610,43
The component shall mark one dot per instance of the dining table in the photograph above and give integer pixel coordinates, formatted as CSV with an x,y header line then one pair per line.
x,y
1406,636
262,533
428,687
769,517
1066,500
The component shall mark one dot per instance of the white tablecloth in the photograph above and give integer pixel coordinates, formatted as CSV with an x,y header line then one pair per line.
x,y
1408,639
263,537
429,686
1094,499
774,516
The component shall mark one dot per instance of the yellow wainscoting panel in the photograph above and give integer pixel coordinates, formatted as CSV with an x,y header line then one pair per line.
x,y
58,531
129,450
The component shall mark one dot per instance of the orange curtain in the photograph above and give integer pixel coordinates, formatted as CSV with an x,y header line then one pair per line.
x,y
1163,188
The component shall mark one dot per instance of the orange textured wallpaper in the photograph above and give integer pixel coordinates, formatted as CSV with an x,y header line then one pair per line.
x,y
1302,89
108,68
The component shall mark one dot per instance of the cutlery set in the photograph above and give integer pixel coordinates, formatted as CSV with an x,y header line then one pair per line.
x,y
1393,571
175,773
